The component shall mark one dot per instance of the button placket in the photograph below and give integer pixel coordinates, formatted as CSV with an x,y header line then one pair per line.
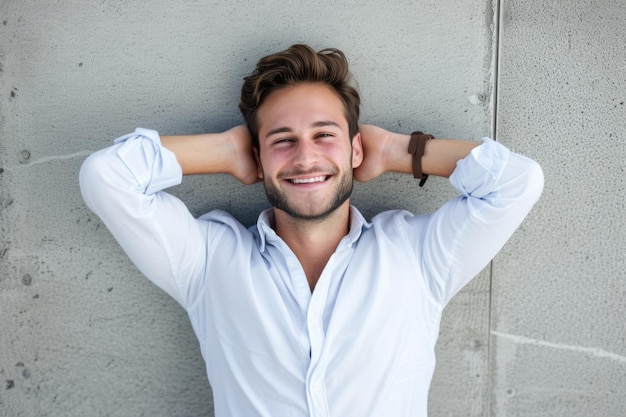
x,y
316,334
318,400
315,323
315,313
316,393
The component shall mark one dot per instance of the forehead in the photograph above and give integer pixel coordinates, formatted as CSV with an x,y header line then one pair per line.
x,y
300,105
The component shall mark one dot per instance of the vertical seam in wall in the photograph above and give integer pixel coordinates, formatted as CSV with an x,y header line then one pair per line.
x,y
494,132
495,68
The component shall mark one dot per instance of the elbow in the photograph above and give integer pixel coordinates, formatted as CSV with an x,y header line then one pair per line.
x,y
534,182
92,178
521,187
88,177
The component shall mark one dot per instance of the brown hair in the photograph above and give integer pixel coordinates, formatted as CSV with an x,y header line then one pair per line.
x,y
299,64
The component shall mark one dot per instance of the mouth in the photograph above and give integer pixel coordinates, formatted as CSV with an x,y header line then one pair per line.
x,y
311,180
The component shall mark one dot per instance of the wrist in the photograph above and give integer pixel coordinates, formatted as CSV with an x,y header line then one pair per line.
x,y
417,148
397,159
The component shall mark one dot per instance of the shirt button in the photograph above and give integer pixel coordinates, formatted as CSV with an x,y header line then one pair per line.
x,y
315,386
314,320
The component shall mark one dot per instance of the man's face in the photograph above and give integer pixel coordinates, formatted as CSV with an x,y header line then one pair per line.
x,y
305,156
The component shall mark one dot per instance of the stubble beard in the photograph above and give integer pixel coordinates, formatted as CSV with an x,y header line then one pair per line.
x,y
279,200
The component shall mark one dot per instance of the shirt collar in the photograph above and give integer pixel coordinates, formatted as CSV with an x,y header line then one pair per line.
x,y
265,231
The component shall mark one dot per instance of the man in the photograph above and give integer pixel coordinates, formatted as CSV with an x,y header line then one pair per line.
x,y
313,311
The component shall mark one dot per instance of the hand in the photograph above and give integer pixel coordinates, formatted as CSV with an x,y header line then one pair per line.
x,y
378,155
244,167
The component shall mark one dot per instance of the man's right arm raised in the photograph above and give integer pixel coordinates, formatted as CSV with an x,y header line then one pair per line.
x,y
123,184
229,152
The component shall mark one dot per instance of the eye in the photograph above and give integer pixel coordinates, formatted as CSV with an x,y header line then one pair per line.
x,y
324,135
282,141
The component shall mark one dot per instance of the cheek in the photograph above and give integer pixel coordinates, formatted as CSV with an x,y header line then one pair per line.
x,y
266,167
272,161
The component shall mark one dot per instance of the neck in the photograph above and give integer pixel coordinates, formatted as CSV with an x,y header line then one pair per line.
x,y
313,241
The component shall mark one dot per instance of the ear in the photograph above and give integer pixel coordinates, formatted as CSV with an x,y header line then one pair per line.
x,y
357,150
257,159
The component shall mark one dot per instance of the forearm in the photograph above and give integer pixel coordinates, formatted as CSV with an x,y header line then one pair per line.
x,y
389,152
228,152
199,154
440,155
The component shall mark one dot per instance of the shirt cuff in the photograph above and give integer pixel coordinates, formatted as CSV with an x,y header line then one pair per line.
x,y
477,175
154,167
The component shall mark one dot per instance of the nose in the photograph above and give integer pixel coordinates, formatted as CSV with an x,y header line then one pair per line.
x,y
306,155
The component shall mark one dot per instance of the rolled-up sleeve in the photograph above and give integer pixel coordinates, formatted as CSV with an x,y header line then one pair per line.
x,y
123,185
498,189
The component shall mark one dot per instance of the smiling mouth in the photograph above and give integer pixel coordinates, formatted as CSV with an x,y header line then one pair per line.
x,y
308,180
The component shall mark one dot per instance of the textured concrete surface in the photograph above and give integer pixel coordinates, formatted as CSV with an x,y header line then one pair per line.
x,y
82,333
559,290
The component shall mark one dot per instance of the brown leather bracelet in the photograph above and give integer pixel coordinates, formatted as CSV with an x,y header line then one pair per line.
x,y
417,144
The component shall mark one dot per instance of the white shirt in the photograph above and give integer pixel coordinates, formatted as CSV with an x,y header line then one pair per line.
x,y
362,344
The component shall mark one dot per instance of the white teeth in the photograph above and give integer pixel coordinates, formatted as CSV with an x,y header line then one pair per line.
x,y
307,180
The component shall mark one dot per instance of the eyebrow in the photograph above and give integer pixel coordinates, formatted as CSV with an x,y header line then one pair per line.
x,y
286,129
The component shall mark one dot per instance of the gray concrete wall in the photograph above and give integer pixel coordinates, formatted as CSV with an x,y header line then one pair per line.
x,y
538,333
559,289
